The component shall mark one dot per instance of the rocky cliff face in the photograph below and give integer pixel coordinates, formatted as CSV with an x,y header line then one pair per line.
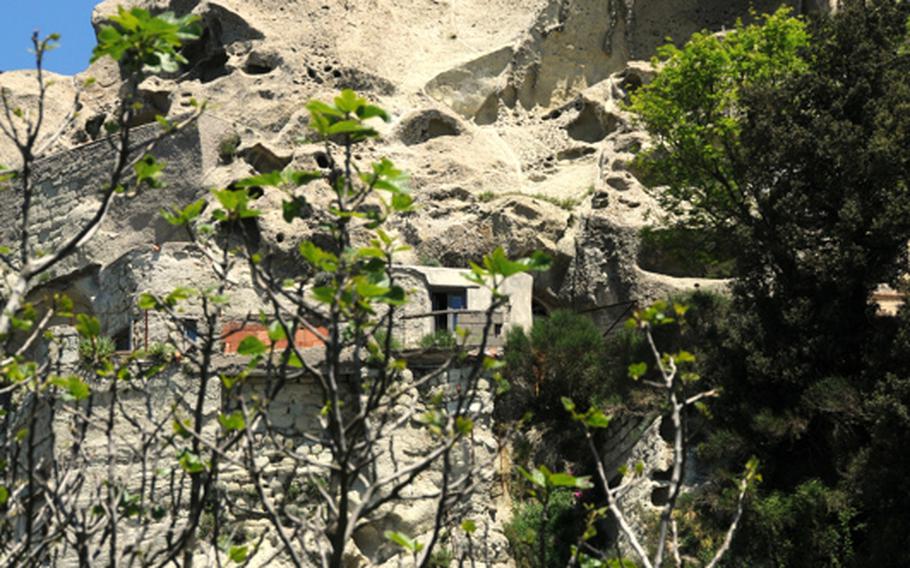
x,y
507,115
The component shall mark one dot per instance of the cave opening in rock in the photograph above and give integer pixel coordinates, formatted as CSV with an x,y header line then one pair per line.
x,y
426,125
206,57
660,496
589,125
263,160
257,69
437,127
323,160
213,67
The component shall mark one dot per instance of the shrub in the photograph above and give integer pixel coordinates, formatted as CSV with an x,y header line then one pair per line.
x,y
811,526
160,352
562,356
227,147
561,530
442,339
97,349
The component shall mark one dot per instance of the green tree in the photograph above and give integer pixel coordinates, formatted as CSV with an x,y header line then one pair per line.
x,y
563,354
694,113
827,149
807,169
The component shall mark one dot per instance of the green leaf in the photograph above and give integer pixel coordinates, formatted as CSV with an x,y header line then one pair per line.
x,y
233,421
317,257
463,425
351,127
271,179
178,295
348,101
165,124
537,476
366,112
235,203
404,542
568,480
402,202
684,357
148,171
74,387
4,495
319,107
367,289
186,215
498,263
491,364
148,302
276,331
190,462
396,296
324,294
293,360
87,326
228,198
371,252
594,418
238,554
251,345
301,177
637,370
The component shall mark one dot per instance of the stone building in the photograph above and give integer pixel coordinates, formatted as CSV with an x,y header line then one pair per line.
x,y
135,252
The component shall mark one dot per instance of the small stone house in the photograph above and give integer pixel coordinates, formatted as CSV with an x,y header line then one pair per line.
x,y
443,299
440,301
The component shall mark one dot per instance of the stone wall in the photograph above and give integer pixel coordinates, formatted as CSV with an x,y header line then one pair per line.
x,y
143,436
68,186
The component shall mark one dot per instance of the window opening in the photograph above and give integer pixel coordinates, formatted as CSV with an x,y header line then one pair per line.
x,y
446,301
190,329
123,339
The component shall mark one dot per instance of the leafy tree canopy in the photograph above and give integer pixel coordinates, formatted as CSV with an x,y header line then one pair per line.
x,y
693,110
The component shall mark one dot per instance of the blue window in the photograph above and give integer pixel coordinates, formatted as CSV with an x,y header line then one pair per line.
x,y
190,329
447,301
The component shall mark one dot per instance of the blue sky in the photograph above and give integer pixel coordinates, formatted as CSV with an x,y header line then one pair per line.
x,y
72,19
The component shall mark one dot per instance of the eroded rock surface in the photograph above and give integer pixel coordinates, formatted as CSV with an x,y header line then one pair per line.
x,y
507,116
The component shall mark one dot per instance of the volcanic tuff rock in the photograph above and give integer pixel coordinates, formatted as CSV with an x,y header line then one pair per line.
x,y
507,116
